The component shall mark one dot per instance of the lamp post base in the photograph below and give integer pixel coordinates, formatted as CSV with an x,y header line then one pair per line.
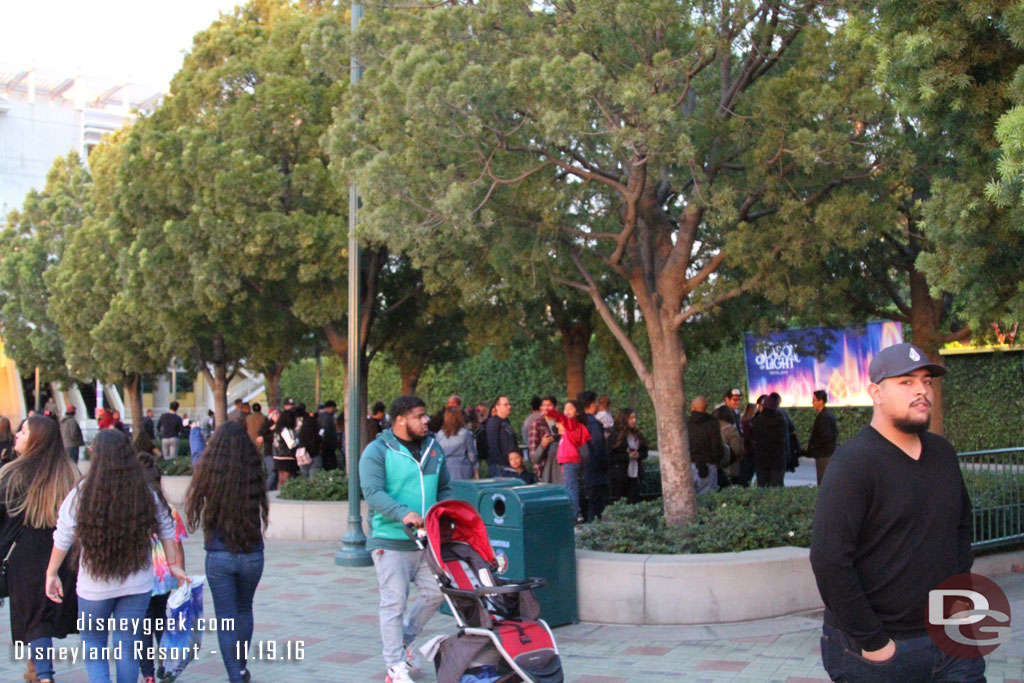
x,y
353,552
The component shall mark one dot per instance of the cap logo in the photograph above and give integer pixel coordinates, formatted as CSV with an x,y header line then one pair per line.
x,y
914,355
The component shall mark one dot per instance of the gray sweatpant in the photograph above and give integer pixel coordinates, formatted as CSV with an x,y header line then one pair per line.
x,y
396,571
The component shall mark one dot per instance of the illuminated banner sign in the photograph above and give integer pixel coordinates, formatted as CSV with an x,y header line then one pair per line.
x,y
797,362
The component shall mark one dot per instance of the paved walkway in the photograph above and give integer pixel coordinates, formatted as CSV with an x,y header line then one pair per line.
x,y
331,611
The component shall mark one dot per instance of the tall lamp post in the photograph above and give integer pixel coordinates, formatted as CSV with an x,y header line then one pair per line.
x,y
353,551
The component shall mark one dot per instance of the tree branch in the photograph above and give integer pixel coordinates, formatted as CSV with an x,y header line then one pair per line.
x,y
959,335
613,325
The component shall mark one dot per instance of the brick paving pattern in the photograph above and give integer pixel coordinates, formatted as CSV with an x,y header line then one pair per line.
x,y
307,605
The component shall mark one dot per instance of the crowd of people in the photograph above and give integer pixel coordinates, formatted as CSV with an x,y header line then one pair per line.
x,y
759,444
128,537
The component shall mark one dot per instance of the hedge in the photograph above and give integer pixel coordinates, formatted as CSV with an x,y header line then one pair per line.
x,y
324,485
181,466
736,519
731,520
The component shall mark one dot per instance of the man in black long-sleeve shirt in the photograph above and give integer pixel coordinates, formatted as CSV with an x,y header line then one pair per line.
x,y
824,433
170,427
892,521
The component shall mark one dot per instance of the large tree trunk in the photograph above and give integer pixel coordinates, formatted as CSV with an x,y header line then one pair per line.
x,y
410,379
218,379
272,377
576,345
925,319
132,391
667,365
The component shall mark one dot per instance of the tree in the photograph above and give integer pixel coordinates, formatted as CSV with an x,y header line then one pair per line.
x,y
107,336
697,139
32,243
948,257
227,183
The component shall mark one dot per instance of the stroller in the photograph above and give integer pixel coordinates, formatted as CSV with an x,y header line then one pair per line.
x,y
501,637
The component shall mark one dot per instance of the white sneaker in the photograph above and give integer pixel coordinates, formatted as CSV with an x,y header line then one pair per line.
x,y
399,673
412,658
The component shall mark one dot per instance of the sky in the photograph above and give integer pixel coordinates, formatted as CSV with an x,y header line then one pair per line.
x,y
140,39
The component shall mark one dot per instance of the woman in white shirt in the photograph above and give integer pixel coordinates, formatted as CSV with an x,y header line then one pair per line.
x,y
112,513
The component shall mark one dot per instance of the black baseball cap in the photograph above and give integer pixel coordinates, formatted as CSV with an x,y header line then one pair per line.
x,y
289,401
901,359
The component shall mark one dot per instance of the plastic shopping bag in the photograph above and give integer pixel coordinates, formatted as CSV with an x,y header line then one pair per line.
x,y
182,637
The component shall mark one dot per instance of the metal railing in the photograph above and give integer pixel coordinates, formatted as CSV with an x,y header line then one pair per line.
x,y
995,483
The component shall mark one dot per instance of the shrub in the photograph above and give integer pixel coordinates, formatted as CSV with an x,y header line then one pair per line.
x,y
181,466
727,521
324,485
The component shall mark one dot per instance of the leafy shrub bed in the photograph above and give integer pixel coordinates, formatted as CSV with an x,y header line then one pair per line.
x,y
727,521
324,485
180,466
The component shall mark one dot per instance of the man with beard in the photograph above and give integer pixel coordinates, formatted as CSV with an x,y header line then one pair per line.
x,y
892,522
402,474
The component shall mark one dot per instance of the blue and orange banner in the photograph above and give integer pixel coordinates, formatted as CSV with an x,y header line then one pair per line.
x,y
795,363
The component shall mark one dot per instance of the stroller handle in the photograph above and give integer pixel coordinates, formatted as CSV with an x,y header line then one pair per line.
x,y
416,534
529,584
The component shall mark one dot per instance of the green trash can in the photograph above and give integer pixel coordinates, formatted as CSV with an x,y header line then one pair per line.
x,y
469,489
531,529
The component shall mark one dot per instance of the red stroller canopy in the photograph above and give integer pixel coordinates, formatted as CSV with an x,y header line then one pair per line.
x,y
457,520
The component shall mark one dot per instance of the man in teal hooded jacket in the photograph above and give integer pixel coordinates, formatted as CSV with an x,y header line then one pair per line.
x,y
402,474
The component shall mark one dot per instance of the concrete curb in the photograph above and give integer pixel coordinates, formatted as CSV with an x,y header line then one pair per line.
x,y
714,588
694,589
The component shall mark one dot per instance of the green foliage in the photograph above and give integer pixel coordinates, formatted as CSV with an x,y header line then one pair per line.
x,y
180,466
324,485
984,397
32,243
727,521
953,74
669,148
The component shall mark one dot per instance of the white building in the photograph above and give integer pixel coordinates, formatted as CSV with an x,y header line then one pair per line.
x,y
45,113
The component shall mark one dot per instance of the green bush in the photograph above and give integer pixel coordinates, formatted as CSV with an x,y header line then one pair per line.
x,y
324,485
180,466
727,521
983,401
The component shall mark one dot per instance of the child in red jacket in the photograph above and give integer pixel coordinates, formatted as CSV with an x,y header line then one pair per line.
x,y
574,434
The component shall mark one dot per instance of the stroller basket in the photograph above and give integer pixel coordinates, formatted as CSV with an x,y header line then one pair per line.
x,y
492,614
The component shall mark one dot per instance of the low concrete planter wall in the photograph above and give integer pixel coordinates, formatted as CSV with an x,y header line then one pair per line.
x,y
694,589
300,520
617,588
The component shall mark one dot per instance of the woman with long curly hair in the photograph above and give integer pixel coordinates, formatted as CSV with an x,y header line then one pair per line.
x,y
31,490
228,499
111,515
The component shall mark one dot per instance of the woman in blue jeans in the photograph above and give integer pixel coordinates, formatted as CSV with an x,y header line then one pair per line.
x,y
112,514
228,499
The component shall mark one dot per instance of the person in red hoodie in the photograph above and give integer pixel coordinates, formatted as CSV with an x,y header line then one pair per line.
x,y
574,434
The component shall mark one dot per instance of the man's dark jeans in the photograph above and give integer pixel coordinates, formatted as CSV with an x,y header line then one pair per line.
x,y
917,660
